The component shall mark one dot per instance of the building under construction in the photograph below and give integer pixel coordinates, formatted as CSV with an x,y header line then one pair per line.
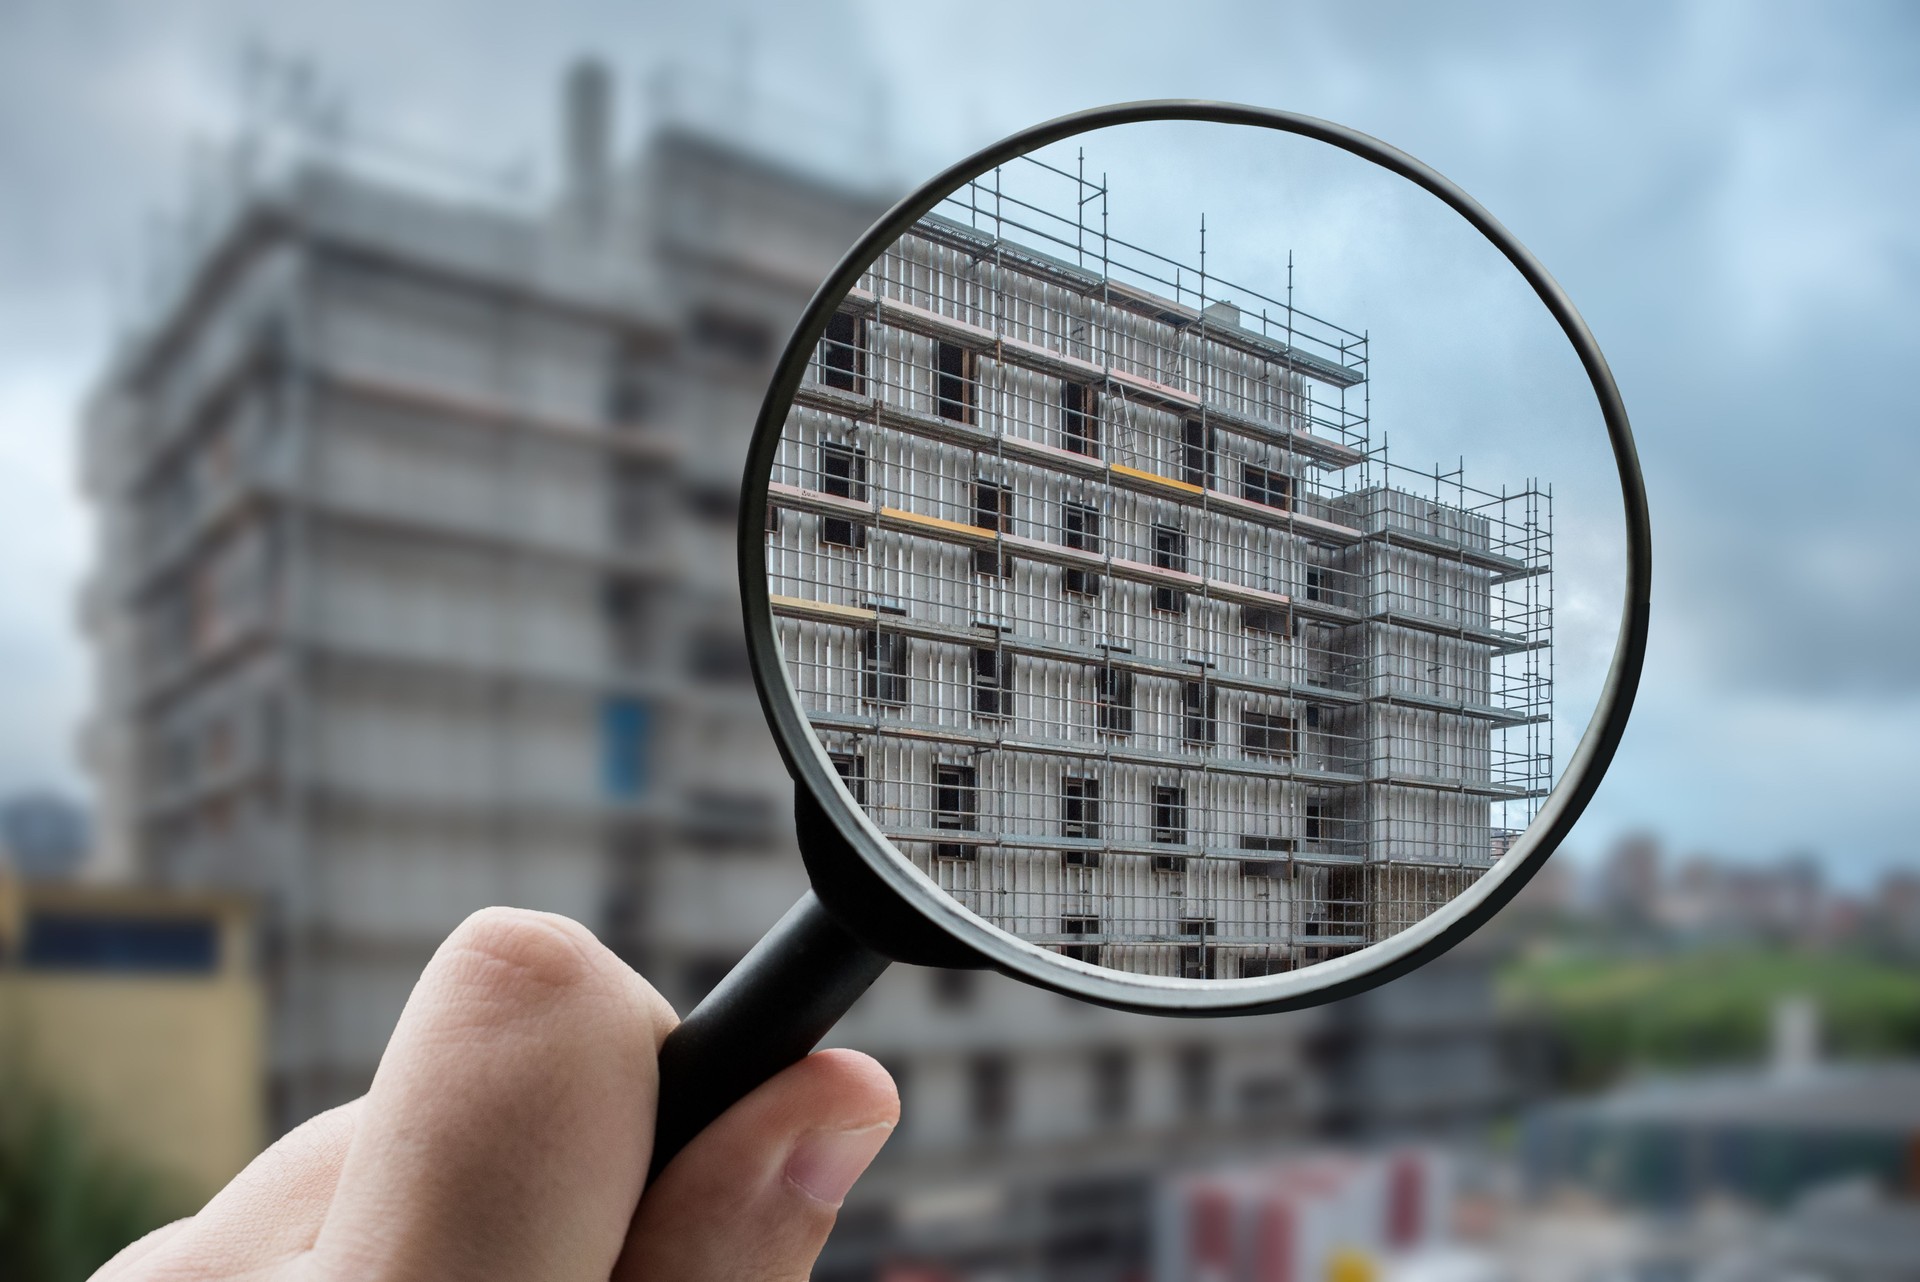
x,y
1111,618
416,512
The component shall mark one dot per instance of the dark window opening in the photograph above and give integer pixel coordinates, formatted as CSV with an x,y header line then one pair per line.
x,y
1313,718
719,819
843,474
1196,453
636,507
1170,553
1112,1085
1259,485
1267,734
1315,581
1080,816
1080,530
992,510
1199,702
738,338
953,382
1080,419
717,503
852,769
1263,843
989,1093
843,355
993,683
883,670
1346,900
628,399
1169,816
956,805
624,603
1194,1072
1080,926
953,987
719,654
1264,618
1273,964
1113,700
1197,960
1311,827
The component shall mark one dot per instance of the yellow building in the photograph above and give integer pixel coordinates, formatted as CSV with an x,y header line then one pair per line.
x,y
138,1008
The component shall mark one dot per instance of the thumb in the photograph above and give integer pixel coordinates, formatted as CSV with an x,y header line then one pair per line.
x,y
755,1194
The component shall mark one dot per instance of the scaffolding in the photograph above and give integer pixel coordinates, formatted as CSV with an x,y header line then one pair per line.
x,y
1113,618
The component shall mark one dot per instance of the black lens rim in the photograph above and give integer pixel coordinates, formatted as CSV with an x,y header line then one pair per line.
x,y
1323,981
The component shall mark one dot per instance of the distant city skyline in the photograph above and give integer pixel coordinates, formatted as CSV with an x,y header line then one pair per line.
x,y
1705,183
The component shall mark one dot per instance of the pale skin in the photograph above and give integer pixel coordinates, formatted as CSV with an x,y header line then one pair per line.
x,y
507,1135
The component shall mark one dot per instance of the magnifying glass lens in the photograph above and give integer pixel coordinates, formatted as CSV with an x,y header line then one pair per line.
x,y
1104,595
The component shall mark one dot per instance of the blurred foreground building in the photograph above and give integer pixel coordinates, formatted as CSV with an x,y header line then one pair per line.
x,y
139,1010
416,594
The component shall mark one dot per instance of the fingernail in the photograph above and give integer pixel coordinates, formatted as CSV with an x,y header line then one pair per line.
x,y
825,1164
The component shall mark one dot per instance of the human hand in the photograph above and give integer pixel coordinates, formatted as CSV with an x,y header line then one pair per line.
x,y
507,1135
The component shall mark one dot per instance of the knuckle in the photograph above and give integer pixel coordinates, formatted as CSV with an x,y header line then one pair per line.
x,y
508,951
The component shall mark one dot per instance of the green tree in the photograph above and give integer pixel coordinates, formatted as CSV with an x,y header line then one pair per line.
x,y
67,1202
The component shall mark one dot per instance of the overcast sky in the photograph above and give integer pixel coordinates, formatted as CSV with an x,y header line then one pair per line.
x,y
1728,192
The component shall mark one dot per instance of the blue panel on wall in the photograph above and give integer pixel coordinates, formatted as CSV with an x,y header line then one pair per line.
x,y
76,941
626,729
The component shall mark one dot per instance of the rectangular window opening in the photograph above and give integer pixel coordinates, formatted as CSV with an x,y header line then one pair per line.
x,y
1199,703
1196,453
1264,618
1080,530
852,769
956,807
1197,960
1080,419
1080,815
1170,821
953,382
1267,734
1080,926
1112,1085
1170,553
883,671
992,510
843,474
1264,486
992,683
843,354
1113,700
989,1093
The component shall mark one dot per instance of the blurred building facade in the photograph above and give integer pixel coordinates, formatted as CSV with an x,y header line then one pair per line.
x,y
417,524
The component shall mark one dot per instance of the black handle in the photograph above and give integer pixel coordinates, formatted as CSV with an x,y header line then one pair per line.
x,y
768,1012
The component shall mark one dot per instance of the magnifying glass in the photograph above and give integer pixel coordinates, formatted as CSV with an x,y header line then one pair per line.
x,y
1169,544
